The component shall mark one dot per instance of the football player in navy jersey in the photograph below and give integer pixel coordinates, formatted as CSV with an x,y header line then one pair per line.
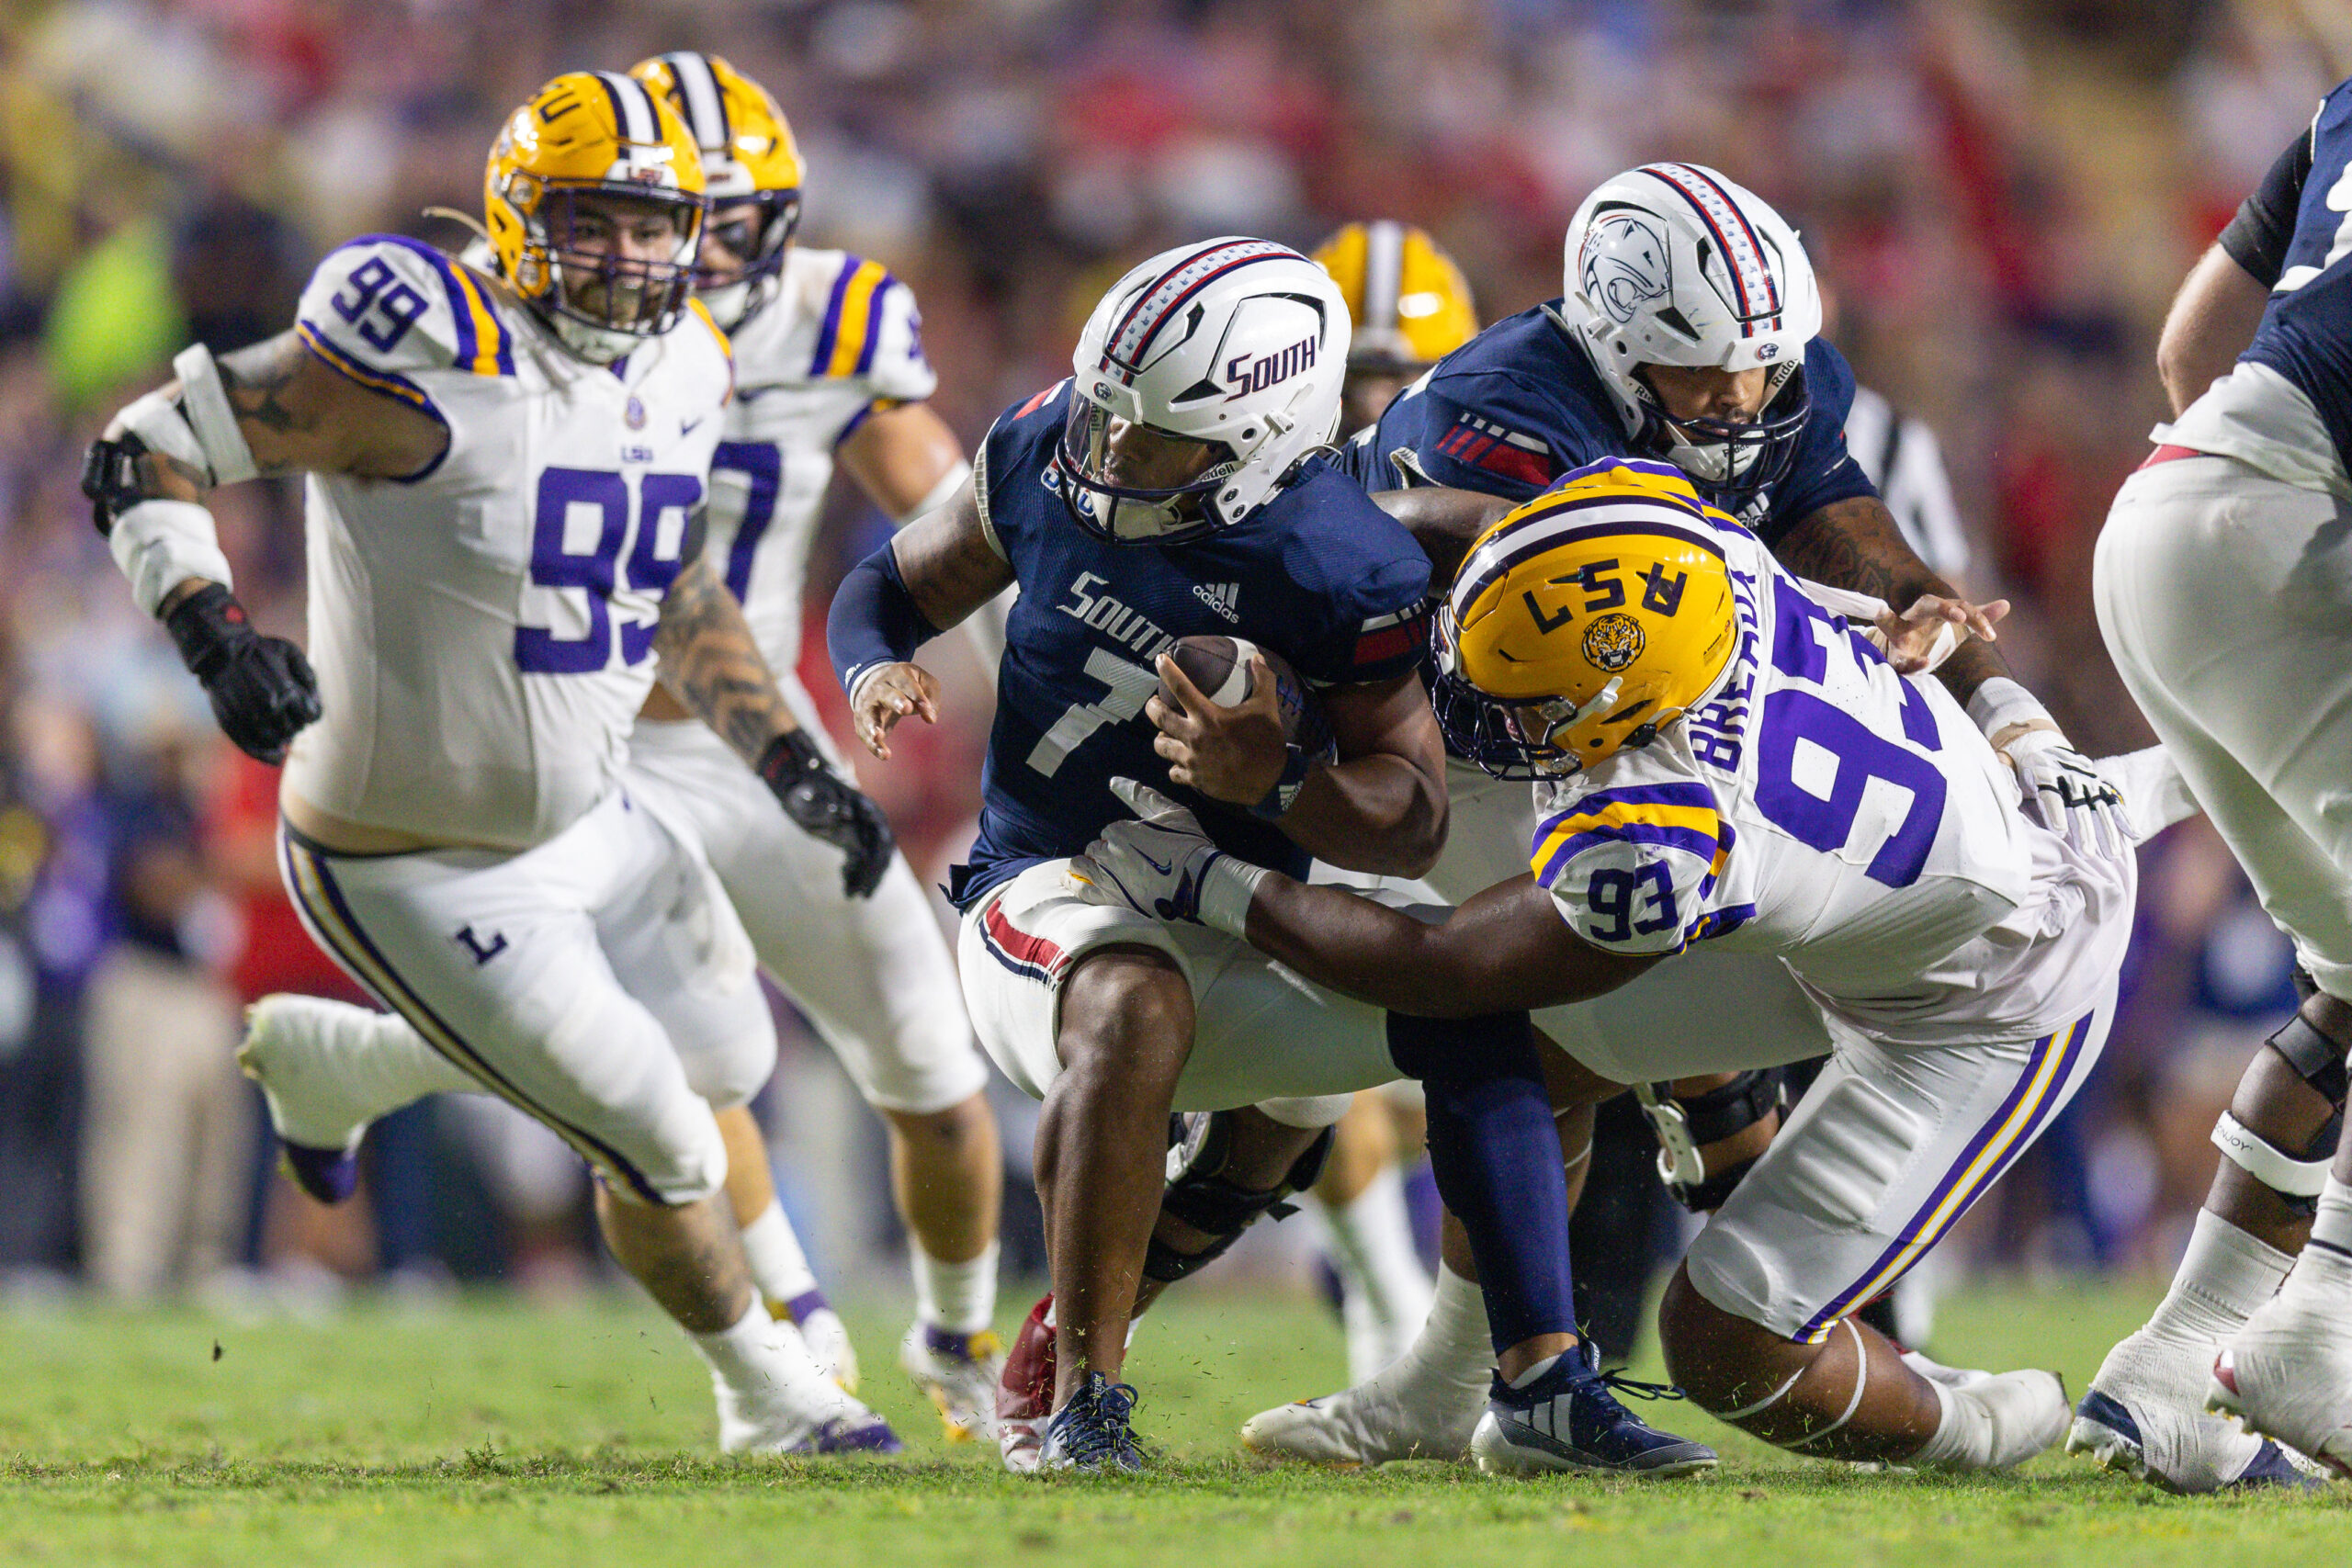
x,y
1170,488
2223,595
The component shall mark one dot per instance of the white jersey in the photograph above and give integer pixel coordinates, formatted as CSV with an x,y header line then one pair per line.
x,y
483,629
840,339
1852,821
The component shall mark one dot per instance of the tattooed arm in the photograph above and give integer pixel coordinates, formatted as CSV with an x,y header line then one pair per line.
x,y
1855,544
298,415
712,665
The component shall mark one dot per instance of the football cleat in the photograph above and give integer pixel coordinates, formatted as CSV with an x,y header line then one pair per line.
x,y
959,1372
2288,1375
292,1048
1091,1432
1024,1390
799,1411
1394,1416
1569,1419
2143,1417
2027,1410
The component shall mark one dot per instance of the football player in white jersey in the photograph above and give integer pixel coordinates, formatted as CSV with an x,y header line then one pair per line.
x,y
2221,592
829,363
506,477
1725,761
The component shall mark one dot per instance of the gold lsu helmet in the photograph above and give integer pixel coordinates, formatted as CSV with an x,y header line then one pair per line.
x,y
593,134
1411,303
752,171
1584,621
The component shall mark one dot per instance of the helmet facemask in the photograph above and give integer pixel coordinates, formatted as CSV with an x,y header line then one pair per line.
x,y
1730,461
1529,739
1134,484
757,230
599,300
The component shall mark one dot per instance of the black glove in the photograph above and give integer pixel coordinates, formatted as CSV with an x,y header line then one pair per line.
x,y
827,806
262,688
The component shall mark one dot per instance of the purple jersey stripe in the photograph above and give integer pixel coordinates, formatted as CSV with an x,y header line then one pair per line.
x,y
1687,838
872,326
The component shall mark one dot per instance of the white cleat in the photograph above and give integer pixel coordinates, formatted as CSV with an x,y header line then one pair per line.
x,y
2028,1410
2288,1375
797,1410
827,1336
2144,1416
1377,1334
1371,1424
958,1373
300,1051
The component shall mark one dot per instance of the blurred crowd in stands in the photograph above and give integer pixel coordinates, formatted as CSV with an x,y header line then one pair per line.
x,y
2001,193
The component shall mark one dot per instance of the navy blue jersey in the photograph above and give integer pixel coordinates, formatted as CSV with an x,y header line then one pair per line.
x,y
2306,331
1319,574
1521,404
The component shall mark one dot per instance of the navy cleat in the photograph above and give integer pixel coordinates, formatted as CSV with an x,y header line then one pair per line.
x,y
1091,1433
1569,1419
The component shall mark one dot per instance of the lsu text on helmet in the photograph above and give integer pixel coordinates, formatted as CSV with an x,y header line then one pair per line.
x,y
752,174
1672,264
589,146
1583,622
1411,303
1201,380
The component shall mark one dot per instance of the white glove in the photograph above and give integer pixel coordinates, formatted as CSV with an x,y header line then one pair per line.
x,y
1161,864
2076,799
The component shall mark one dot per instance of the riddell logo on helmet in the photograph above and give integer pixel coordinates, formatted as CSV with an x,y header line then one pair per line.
x,y
1248,376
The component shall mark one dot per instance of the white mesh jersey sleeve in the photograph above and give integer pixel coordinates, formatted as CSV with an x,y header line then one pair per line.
x,y
385,308
870,332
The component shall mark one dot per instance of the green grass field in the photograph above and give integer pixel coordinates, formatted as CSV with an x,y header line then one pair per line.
x,y
493,1433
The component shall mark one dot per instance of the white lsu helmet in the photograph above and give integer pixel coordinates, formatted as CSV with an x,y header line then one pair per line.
x,y
1672,264
1236,342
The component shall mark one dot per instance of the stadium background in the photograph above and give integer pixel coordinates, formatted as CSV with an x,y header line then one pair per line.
x,y
2001,196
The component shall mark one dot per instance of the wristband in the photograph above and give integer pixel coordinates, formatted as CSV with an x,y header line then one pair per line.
x,y
1296,769
2001,705
161,544
1227,887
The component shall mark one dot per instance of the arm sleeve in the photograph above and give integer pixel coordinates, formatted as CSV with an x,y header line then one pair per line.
x,y
874,620
1824,471
1630,869
2257,238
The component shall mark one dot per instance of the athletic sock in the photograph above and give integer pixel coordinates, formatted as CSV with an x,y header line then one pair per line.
x,y
2224,1276
1453,1347
2324,1271
751,1357
958,1297
779,1268
1372,1240
1964,1435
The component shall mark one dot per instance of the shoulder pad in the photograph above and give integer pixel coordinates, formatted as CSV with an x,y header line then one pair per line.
x,y
387,306
1629,867
870,329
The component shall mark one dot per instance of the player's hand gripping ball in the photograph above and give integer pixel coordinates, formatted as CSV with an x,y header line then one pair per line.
x,y
1234,719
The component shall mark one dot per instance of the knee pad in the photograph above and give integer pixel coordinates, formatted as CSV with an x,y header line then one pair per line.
x,y
2295,1174
1683,1125
1208,1202
1443,1051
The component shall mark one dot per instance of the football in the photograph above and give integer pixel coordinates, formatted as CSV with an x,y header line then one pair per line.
x,y
1220,667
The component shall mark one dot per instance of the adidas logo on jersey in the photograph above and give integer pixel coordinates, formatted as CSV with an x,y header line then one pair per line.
x,y
1223,597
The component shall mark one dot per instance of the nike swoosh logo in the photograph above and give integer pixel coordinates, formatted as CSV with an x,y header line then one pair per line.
x,y
688,426
1154,865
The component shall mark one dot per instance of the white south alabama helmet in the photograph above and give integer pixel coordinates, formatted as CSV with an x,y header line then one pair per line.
x,y
1238,342
1672,264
